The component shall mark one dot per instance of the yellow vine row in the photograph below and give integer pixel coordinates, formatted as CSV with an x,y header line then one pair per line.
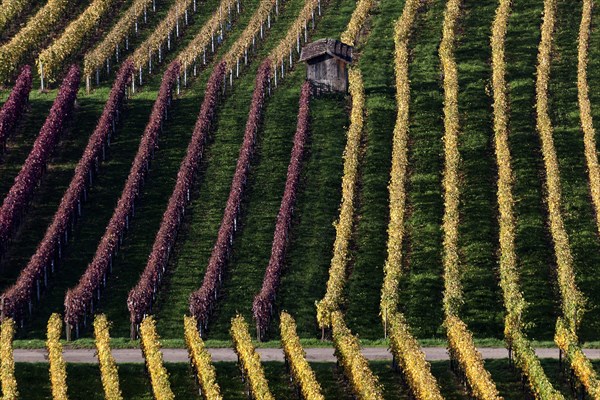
x,y
404,347
108,368
292,39
58,371
255,25
573,307
249,359
159,377
572,299
583,368
514,302
206,35
11,9
357,21
51,59
7,361
364,383
585,108
396,187
95,58
27,39
410,357
460,340
462,349
154,43
300,369
343,228
452,285
201,361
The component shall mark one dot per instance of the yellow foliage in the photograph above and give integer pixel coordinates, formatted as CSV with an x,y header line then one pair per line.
x,y
249,359
159,377
460,340
58,371
451,182
584,370
292,38
108,368
462,348
509,277
256,23
10,9
200,42
411,359
356,367
357,21
27,39
343,228
294,353
572,299
585,108
161,33
52,58
96,58
7,361
201,360
393,264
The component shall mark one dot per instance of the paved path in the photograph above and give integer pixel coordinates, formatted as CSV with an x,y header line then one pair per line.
x,y
317,354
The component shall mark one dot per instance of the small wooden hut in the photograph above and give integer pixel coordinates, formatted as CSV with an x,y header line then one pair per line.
x,y
327,61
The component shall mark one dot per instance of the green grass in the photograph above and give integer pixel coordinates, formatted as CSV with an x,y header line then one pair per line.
x,y
84,380
578,211
377,66
424,200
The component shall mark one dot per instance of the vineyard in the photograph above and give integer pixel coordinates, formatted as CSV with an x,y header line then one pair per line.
x,y
172,181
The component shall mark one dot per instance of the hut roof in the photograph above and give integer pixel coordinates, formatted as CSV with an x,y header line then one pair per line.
x,y
333,47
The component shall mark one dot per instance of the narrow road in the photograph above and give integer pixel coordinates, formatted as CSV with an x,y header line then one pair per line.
x,y
316,354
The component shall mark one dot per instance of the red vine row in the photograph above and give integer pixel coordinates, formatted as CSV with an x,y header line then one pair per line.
x,y
142,296
203,300
79,300
49,250
262,307
22,190
14,107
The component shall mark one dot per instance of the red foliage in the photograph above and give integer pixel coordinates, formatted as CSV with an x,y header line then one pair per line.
x,y
203,300
142,295
78,300
262,307
21,293
15,105
21,192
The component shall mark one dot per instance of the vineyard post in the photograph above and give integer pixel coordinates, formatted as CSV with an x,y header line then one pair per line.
x,y
42,75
